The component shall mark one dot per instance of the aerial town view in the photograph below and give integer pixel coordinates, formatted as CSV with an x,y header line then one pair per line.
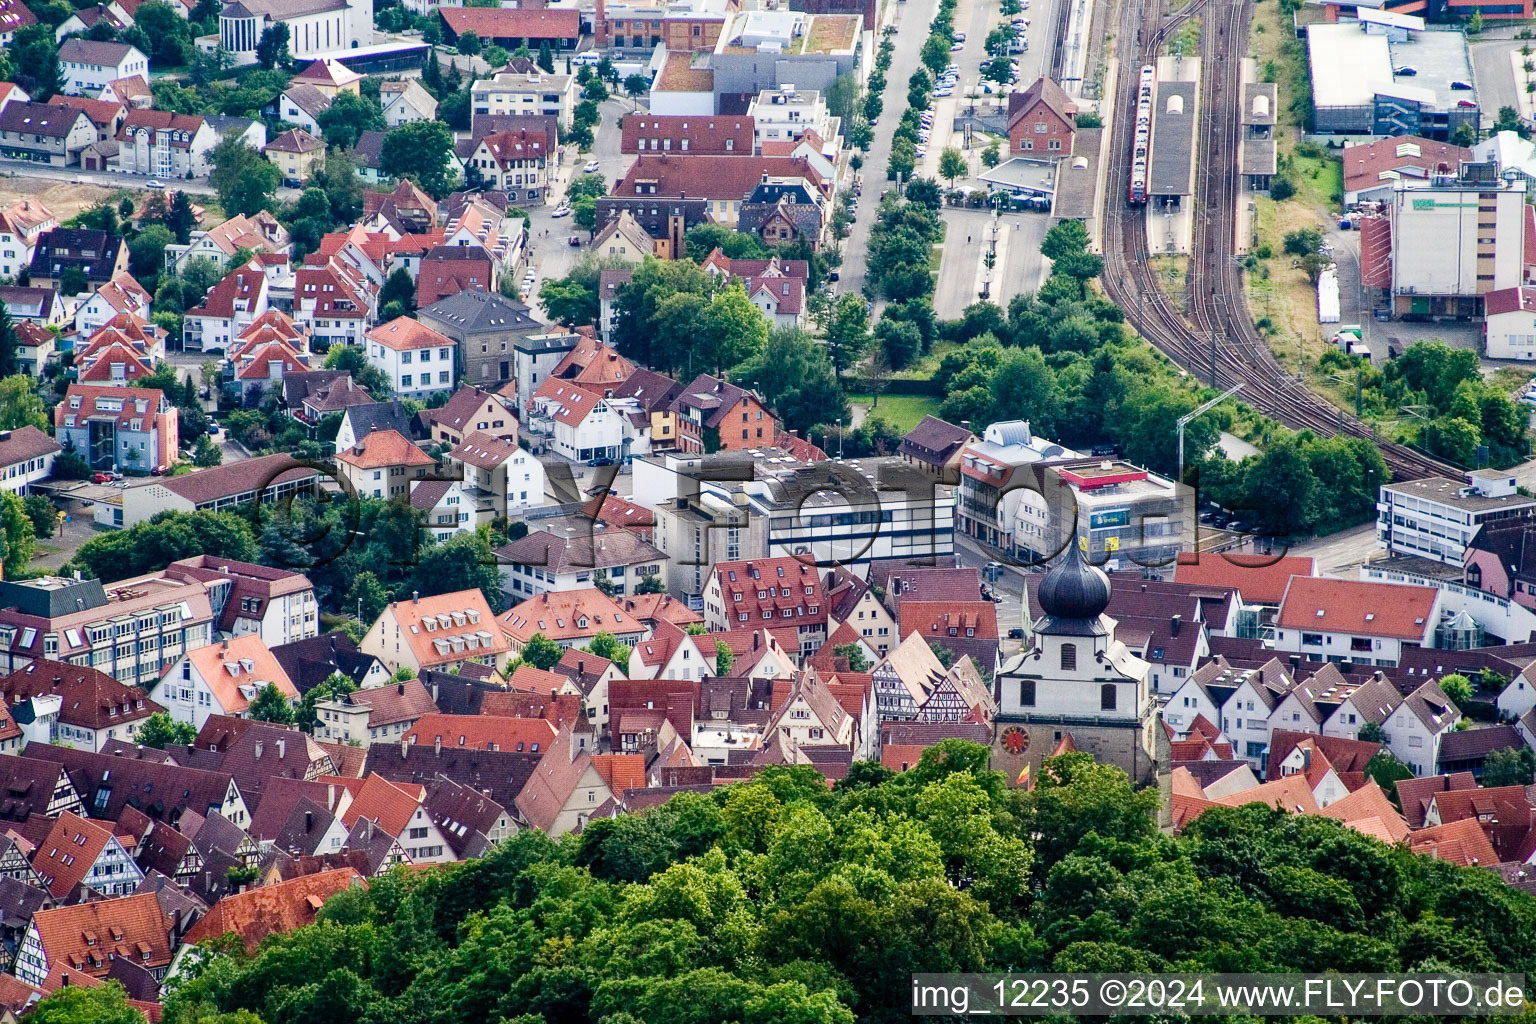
x,y
766,511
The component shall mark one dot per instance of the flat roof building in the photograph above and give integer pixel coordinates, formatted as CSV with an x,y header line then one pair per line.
x,y
1389,80
1436,518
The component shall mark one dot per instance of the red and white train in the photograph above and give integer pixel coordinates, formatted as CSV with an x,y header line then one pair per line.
x,y
1141,147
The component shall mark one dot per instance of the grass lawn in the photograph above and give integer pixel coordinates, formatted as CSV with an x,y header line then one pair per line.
x,y
901,411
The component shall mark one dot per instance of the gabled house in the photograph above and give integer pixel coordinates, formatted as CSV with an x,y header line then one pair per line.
x,y
571,784
97,255
570,618
222,679
164,144
87,66
469,411
260,233
253,915
1414,728
21,225
396,810
229,308
44,133
74,704
498,475
581,425
333,303
672,653
26,453
442,632
295,153
811,716
87,938
1042,121
713,415
382,465
770,592
107,784
81,855
514,162
1366,623
405,101
119,296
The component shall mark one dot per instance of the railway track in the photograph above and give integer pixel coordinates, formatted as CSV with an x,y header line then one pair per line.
x,y
1216,340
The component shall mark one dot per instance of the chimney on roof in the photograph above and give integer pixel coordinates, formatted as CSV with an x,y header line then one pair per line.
x,y
1173,623
309,822
224,645
405,748
259,746
415,597
437,746
282,748
400,689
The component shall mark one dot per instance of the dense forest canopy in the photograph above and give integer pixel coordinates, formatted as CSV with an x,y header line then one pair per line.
x,y
781,901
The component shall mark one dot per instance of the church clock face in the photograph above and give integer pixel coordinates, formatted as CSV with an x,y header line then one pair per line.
x,y
1015,740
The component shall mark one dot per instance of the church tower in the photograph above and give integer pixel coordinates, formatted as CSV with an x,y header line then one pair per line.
x,y
1076,679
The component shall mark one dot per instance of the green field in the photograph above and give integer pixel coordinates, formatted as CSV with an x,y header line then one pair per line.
x,y
901,411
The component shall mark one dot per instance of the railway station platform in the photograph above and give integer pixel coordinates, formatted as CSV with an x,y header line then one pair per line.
x,y
1171,172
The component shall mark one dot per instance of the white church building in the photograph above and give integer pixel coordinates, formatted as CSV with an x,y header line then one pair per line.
x,y
314,26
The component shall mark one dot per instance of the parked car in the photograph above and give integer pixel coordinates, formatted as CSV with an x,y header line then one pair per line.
x,y
1016,633
832,275
154,184
561,211
601,462
101,478
573,241
590,167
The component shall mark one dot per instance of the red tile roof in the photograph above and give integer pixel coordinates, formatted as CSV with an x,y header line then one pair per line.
x,y
403,333
83,936
765,588
63,860
483,732
729,178
706,135
384,448
257,913
1460,842
91,698
1260,578
1328,605
503,23
389,805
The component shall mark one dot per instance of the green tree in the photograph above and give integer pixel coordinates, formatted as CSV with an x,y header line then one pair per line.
x,y
1457,687
650,583
180,218
35,56
723,658
1386,770
166,537
272,47
146,253
606,645
354,360
854,652
366,598
332,687
736,329
245,181
398,296
951,165
271,706
160,730
495,57
423,152
945,655
16,536
74,282
541,652
107,1003
20,405
469,43
546,59
348,116
847,334
207,454
584,213
43,515
463,562
1513,766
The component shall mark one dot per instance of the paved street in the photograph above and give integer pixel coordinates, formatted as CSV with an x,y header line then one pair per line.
x,y
911,19
1495,77
552,255
1019,268
26,169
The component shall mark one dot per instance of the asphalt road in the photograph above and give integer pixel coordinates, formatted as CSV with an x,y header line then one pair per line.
x,y
552,255
24,169
911,18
